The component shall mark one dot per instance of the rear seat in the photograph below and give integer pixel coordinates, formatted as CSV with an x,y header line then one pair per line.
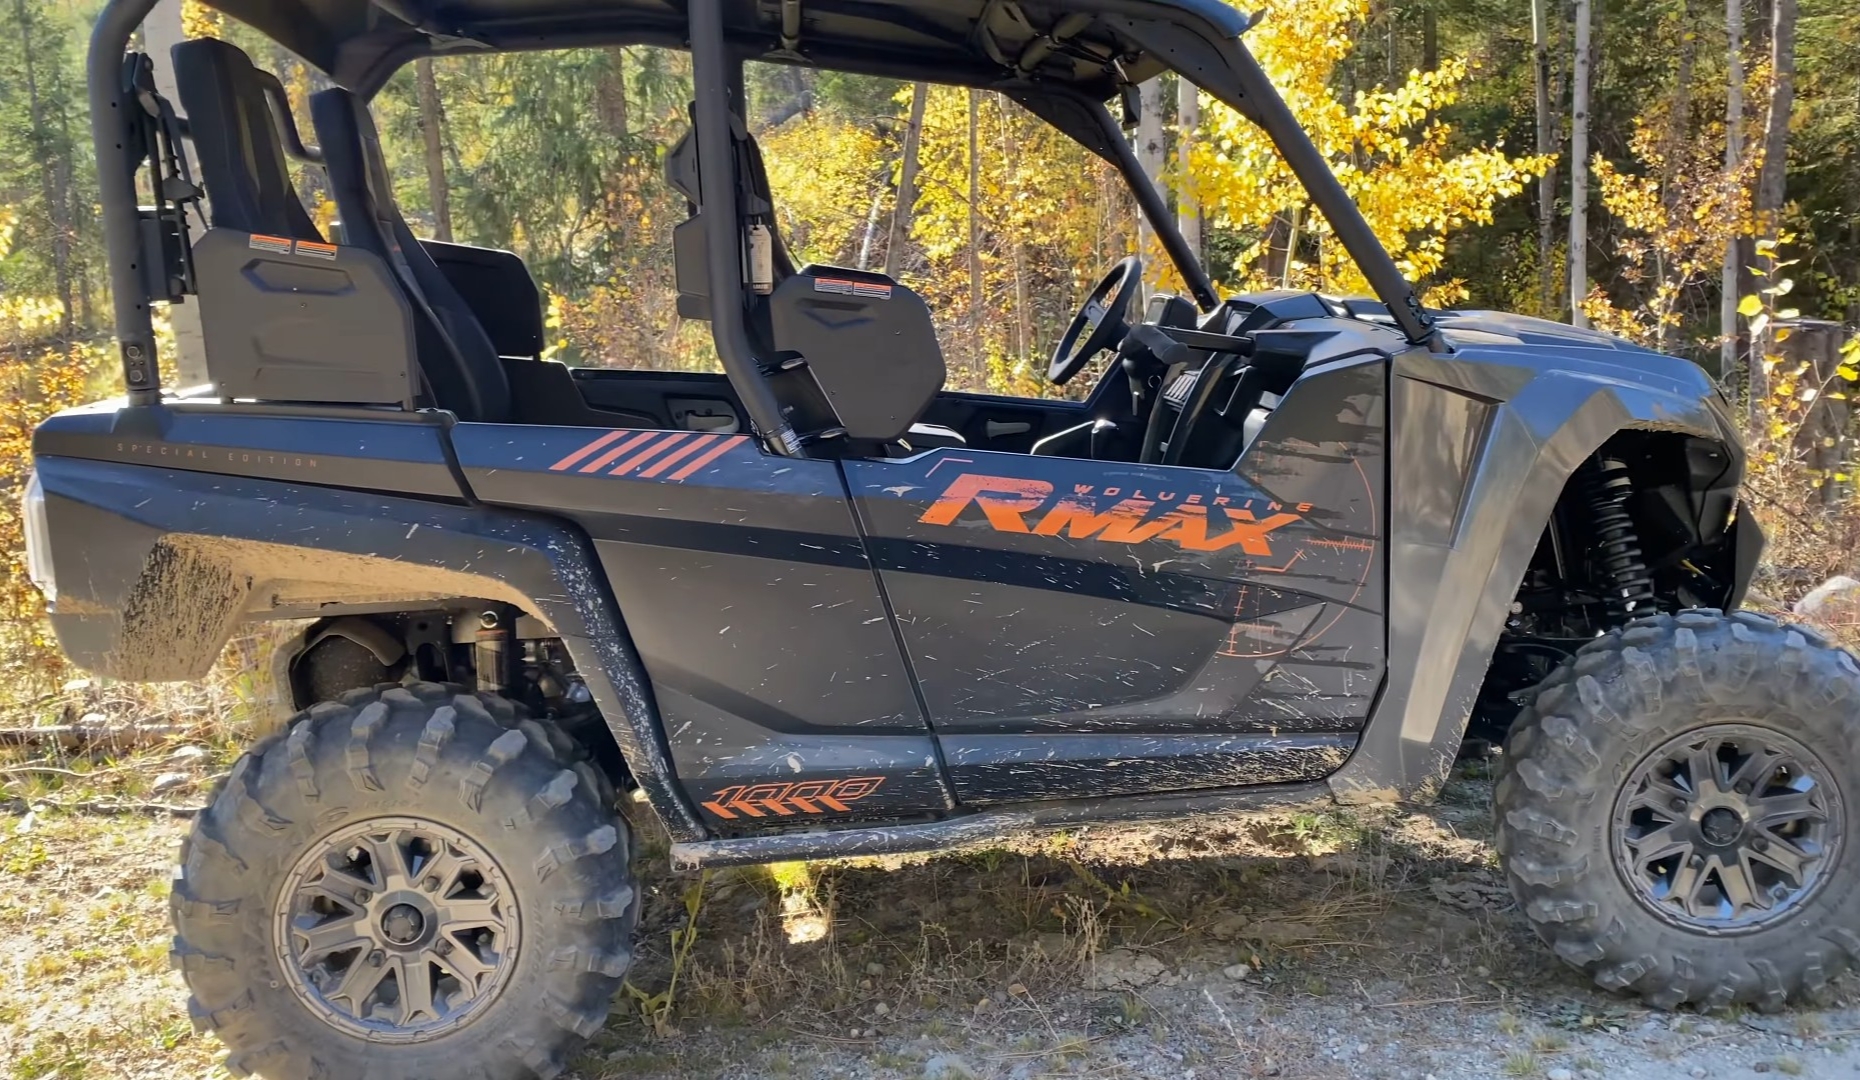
x,y
285,317
236,141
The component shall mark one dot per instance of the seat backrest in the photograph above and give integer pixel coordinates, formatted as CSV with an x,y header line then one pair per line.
x,y
869,341
457,360
236,141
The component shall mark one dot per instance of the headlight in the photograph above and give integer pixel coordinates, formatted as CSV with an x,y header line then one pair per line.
x,y
38,538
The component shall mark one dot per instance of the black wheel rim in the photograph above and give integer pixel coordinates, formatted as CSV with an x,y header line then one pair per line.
x,y
396,929
1727,828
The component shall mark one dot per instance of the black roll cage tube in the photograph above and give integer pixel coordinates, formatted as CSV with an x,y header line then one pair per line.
x,y
1220,65
716,79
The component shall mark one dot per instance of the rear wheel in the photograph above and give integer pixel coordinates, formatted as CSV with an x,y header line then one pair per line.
x,y
1677,811
409,882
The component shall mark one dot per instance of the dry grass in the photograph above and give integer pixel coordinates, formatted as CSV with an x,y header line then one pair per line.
x,y
86,854
85,988
986,953
983,958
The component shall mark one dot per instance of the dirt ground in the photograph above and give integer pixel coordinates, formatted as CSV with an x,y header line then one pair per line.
x,y
1317,946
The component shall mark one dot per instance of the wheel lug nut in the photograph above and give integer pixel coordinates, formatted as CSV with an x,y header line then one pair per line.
x,y
1698,862
443,947
362,896
430,884
1677,805
1743,787
1760,843
377,958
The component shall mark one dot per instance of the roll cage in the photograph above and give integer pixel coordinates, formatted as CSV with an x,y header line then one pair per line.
x,y
1060,61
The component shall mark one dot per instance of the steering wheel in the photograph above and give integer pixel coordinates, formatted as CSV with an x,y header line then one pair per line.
x,y
1100,324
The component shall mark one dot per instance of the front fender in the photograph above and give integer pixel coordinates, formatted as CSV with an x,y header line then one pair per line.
x,y
1482,443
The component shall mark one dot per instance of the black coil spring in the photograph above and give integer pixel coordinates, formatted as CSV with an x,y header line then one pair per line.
x,y
1627,581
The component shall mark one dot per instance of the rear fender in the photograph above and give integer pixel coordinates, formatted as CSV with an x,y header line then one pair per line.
x,y
156,567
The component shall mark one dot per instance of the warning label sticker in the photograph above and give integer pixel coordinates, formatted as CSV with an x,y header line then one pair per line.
x,y
278,245
315,250
872,290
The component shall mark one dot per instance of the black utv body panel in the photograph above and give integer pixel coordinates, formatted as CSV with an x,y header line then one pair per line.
x,y
179,557
923,641
822,607
1485,440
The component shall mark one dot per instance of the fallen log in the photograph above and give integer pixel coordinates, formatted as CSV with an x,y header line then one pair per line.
x,y
78,736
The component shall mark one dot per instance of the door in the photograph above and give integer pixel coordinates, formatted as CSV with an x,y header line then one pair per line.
x,y
743,584
1083,628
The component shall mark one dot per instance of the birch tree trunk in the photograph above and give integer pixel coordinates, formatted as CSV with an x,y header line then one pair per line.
x,y
1546,146
906,205
1734,153
975,235
1579,168
432,121
1772,184
1151,154
1187,123
1017,239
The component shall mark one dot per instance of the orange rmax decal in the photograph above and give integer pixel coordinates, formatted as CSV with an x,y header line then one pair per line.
x,y
648,450
651,450
1110,514
787,800
708,456
607,459
585,451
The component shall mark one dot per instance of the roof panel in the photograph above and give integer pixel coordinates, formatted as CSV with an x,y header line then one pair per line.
x,y
978,42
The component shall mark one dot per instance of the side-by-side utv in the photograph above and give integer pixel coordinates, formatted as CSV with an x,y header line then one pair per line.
x,y
1283,553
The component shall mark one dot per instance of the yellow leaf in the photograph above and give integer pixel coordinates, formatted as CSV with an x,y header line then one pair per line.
x,y
1750,306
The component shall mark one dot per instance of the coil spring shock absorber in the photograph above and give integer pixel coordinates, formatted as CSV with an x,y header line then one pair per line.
x,y
1627,581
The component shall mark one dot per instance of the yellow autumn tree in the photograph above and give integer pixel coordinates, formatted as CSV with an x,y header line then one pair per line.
x,y
1387,146
41,372
1677,211
1050,217
829,174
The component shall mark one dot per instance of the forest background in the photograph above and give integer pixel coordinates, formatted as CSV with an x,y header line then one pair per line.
x,y
1685,175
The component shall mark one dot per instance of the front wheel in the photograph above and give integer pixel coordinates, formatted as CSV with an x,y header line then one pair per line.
x,y
411,882
1677,811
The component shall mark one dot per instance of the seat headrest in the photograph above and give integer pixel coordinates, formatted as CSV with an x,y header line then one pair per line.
x,y
352,152
236,141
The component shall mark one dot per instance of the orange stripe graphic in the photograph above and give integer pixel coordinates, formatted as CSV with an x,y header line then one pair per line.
x,y
707,457
585,451
650,452
678,455
606,459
